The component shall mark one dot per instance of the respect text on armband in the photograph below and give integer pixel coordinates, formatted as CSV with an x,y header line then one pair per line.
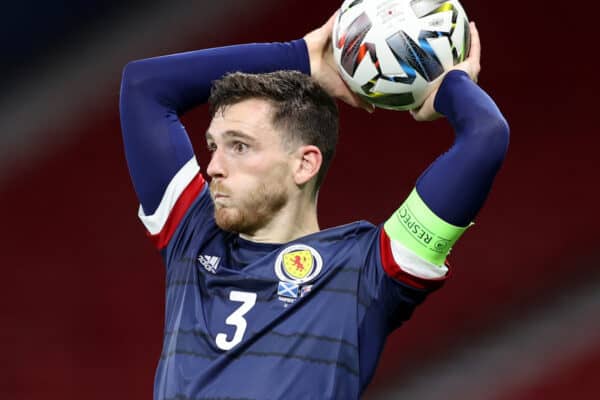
x,y
419,233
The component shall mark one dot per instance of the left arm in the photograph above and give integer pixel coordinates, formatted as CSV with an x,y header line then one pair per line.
x,y
450,193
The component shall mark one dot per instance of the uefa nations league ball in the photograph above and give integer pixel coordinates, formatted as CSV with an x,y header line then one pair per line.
x,y
392,52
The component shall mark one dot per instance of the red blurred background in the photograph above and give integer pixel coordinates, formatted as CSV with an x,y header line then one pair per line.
x,y
82,303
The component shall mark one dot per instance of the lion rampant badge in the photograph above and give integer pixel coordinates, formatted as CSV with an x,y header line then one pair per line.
x,y
298,263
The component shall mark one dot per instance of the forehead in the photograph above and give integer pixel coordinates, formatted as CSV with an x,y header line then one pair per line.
x,y
251,117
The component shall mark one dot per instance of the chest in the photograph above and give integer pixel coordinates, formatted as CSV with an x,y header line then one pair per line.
x,y
228,297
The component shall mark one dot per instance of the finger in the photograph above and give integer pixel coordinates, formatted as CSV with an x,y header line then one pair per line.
x,y
475,51
417,114
328,27
368,107
345,94
365,105
356,101
359,102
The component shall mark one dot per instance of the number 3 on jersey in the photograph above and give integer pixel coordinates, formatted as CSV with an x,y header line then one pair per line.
x,y
236,319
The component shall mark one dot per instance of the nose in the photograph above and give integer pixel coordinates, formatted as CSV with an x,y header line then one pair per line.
x,y
216,166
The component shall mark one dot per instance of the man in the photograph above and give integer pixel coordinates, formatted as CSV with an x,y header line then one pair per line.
x,y
261,304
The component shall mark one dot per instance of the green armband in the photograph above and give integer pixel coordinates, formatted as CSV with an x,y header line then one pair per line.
x,y
419,229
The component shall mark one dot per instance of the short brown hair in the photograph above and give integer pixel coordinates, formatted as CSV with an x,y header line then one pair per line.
x,y
301,107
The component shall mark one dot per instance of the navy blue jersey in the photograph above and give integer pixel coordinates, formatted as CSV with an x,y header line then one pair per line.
x,y
245,320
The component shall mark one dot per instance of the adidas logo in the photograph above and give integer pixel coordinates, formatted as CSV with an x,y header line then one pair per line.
x,y
210,263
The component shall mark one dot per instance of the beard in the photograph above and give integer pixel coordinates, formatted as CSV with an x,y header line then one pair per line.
x,y
252,212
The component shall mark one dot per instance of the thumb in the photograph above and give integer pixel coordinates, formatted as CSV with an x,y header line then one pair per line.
x,y
328,26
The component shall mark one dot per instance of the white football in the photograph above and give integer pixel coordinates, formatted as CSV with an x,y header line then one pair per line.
x,y
392,52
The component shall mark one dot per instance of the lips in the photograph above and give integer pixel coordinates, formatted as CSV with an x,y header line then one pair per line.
x,y
217,191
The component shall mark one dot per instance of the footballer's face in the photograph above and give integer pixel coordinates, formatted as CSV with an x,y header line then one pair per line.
x,y
250,167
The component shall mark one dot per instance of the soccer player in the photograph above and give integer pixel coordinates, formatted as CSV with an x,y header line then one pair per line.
x,y
260,303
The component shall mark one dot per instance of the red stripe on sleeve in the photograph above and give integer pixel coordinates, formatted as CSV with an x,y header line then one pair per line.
x,y
395,271
181,206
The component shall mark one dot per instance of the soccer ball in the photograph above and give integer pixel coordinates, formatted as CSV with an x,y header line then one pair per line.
x,y
392,52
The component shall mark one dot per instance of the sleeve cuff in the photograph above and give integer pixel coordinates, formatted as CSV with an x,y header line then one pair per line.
x,y
301,58
443,99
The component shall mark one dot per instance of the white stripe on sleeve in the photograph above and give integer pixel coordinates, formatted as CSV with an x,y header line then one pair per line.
x,y
414,265
154,223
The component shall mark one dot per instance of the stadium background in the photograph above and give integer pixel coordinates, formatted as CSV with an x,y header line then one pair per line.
x,y
82,293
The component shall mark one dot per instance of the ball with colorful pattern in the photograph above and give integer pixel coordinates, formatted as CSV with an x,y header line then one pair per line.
x,y
392,52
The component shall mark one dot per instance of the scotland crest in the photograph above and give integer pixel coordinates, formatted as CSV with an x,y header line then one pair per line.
x,y
298,264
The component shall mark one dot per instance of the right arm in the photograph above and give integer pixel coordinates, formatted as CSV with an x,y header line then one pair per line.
x,y
154,93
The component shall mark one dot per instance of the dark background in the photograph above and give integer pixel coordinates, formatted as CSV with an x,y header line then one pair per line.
x,y
82,299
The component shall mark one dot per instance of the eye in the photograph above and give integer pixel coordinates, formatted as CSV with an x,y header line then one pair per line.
x,y
240,147
211,147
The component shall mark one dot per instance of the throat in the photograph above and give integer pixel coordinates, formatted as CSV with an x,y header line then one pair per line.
x,y
284,228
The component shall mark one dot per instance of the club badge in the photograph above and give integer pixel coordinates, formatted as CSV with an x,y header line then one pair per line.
x,y
298,264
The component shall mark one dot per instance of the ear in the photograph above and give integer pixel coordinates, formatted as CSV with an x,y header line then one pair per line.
x,y
307,165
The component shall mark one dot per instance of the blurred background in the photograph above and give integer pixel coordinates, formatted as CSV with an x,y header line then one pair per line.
x,y
83,292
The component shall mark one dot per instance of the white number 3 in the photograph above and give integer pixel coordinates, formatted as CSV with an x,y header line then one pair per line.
x,y
236,319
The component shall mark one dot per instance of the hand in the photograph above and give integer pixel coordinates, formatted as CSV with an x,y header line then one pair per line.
x,y
471,65
324,70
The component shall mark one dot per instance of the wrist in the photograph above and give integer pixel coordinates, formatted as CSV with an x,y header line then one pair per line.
x,y
451,81
312,54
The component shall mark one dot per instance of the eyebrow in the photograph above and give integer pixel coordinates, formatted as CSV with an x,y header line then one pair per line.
x,y
233,134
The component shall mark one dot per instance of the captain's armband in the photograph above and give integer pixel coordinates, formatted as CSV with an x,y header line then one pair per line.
x,y
420,230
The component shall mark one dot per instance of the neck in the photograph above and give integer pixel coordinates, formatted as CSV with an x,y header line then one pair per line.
x,y
294,220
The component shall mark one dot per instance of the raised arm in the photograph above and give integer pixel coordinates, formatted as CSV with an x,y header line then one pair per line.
x,y
450,193
156,91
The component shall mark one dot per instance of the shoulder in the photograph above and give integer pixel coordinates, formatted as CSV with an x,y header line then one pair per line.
x,y
349,231
197,225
